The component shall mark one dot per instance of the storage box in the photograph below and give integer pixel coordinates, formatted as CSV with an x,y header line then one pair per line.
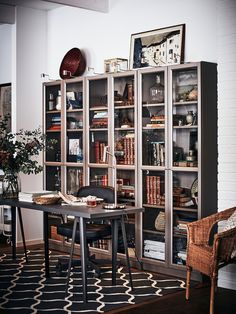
x,y
115,65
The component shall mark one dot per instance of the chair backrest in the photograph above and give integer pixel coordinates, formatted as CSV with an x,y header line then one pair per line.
x,y
105,192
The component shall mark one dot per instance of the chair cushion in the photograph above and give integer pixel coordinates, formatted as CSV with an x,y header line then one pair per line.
x,y
230,222
94,232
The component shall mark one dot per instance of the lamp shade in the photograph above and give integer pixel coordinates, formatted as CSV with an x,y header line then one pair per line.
x,y
73,64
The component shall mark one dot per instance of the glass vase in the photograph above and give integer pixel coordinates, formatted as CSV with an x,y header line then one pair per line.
x,y
11,184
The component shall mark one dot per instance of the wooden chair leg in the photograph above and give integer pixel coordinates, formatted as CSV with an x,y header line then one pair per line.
x,y
189,270
212,295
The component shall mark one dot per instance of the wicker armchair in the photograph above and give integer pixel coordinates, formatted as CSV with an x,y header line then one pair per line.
x,y
206,257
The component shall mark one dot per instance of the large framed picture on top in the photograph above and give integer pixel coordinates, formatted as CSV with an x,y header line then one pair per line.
x,y
158,47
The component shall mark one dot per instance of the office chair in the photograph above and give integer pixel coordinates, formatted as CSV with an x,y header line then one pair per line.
x,y
95,230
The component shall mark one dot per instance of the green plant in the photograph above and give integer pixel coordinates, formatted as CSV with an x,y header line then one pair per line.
x,y
19,151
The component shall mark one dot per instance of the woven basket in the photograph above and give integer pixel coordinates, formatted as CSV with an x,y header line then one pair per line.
x,y
46,199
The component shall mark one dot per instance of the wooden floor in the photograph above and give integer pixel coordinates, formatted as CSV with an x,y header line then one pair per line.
x,y
225,301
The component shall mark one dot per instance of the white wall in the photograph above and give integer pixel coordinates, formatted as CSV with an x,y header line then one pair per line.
x,y
226,45
5,53
30,54
104,36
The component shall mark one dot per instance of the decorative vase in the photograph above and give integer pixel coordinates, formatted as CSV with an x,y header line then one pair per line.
x,y
11,184
189,117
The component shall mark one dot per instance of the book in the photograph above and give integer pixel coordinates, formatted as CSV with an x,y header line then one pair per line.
x,y
28,196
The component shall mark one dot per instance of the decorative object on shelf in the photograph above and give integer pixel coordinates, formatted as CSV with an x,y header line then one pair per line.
x,y
160,221
192,96
5,102
73,64
157,91
58,101
115,65
51,104
194,191
189,118
157,47
16,151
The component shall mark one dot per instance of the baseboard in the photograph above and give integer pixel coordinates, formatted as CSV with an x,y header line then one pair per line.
x,y
29,242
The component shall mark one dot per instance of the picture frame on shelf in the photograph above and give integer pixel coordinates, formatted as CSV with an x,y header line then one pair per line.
x,y
5,102
75,153
164,46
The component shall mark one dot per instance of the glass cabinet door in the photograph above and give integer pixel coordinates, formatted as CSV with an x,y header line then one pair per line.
x,y
52,120
153,135
185,138
124,134
53,108
98,130
74,122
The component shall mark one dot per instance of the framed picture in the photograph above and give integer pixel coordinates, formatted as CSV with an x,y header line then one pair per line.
x,y
158,47
5,102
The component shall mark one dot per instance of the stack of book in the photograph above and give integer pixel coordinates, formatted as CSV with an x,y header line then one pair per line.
x,y
154,249
181,198
100,119
157,121
29,196
182,255
55,123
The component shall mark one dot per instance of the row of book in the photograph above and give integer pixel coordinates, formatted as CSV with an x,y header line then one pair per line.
x,y
100,180
154,249
99,148
125,153
154,193
74,180
155,153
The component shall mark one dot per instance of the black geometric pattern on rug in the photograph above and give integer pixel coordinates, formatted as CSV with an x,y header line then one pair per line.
x,y
24,288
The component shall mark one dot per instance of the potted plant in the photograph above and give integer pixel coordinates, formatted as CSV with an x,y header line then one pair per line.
x,y
18,153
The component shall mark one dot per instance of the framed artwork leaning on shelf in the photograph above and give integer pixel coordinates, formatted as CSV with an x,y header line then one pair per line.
x,y
5,102
158,47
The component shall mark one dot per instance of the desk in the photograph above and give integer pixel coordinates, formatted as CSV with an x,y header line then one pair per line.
x,y
81,214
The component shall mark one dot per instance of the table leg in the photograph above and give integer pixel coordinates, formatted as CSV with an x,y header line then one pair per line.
x,y
126,250
83,251
13,231
22,232
71,252
46,245
114,224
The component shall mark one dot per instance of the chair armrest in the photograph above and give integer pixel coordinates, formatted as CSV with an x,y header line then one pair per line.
x,y
199,231
224,244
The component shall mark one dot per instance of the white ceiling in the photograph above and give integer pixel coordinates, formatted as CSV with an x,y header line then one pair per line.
x,y
7,6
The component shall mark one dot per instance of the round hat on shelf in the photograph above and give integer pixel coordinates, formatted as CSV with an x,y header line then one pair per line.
x,y
73,64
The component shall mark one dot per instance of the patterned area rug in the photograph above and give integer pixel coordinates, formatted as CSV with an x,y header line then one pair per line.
x,y
24,288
